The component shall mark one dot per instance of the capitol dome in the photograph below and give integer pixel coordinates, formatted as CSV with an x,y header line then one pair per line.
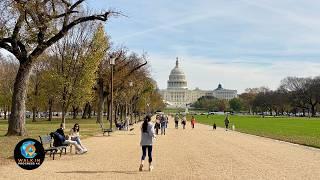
x,y
177,78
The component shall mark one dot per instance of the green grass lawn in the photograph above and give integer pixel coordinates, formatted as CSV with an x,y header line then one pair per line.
x,y
88,127
298,130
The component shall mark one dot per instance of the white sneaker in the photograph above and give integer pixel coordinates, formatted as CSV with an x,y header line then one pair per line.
x,y
80,152
150,168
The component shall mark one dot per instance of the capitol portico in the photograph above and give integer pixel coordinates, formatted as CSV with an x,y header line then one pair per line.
x,y
178,95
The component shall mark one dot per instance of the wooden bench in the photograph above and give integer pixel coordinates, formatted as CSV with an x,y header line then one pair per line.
x,y
47,143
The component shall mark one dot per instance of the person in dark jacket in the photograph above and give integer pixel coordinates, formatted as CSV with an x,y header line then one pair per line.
x,y
65,140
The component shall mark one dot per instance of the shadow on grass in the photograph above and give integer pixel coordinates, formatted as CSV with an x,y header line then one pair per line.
x,y
96,172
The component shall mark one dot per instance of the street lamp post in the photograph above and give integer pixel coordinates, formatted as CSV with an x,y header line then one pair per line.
x,y
112,63
130,109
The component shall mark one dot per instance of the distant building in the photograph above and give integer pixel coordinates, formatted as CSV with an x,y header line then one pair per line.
x,y
178,95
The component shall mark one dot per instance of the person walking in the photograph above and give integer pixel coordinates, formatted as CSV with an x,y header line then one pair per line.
x,y
214,126
157,124
226,122
163,123
184,122
146,142
176,121
193,122
167,120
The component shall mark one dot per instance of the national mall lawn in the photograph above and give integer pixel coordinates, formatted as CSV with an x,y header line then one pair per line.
x,y
299,130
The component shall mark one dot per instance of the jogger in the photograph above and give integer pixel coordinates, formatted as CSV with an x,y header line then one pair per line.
x,y
147,136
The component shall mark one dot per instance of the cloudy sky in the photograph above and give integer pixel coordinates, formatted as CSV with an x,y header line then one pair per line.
x,y
239,43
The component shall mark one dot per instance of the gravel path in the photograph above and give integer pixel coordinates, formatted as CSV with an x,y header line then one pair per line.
x,y
181,154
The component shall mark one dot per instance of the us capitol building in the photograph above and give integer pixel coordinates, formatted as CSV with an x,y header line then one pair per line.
x,y
177,93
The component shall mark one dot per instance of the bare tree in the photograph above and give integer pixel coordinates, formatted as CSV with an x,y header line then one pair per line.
x,y
27,29
8,70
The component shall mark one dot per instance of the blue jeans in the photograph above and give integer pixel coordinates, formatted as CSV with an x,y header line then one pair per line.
x,y
144,153
77,139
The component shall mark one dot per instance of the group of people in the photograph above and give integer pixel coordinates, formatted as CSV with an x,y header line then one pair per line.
x,y
73,138
162,121
149,132
184,121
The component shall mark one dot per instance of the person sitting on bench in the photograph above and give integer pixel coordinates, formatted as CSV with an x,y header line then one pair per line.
x,y
75,135
66,141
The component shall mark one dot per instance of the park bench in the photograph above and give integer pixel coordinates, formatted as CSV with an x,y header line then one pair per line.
x,y
47,143
104,130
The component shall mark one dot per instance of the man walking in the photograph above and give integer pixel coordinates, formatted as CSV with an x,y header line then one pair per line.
x,y
226,122
163,123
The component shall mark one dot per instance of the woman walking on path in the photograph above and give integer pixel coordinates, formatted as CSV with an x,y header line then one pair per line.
x,y
184,122
147,136
193,122
226,122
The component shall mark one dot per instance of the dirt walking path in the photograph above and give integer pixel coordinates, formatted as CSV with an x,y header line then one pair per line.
x,y
198,153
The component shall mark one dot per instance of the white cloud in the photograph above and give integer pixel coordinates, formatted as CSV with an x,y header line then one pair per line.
x,y
237,74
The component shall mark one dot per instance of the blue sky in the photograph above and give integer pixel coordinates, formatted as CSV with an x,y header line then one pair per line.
x,y
239,43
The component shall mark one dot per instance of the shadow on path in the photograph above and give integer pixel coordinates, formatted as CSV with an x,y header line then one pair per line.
x,y
95,172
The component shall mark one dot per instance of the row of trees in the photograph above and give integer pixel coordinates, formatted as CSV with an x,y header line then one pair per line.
x,y
63,63
74,75
295,96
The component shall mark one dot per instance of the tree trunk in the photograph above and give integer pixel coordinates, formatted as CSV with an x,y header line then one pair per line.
x,y
34,109
5,114
85,111
63,118
18,108
130,113
313,110
89,111
75,112
50,104
64,106
116,112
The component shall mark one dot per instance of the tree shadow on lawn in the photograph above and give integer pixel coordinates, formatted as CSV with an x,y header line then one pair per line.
x,y
96,172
